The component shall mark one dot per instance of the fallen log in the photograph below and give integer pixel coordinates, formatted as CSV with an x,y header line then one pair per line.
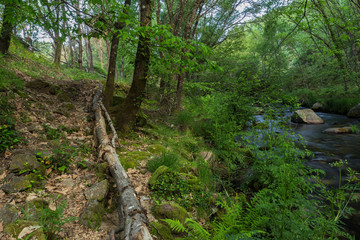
x,y
131,214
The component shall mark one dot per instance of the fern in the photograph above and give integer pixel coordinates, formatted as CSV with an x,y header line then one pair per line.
x,y
191,227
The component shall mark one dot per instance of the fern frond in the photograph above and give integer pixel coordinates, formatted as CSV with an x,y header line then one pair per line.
x,y
197,230
176,225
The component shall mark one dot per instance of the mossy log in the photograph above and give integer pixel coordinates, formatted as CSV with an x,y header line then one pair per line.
x,y
132,216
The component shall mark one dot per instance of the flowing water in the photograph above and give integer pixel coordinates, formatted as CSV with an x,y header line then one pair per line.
x,y
328,148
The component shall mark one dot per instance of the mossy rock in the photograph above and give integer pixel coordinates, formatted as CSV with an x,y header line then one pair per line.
x,y
16,184
161,231
101,171
93,214
8,214
36,179
22,163
159,171
170,210
14,229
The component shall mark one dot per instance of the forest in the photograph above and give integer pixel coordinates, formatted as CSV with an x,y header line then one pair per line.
x,y
180,119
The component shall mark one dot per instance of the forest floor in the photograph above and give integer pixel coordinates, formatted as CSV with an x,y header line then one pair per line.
x,y
56,122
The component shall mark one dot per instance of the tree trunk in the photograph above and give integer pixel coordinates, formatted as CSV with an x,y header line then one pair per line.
x,y
71,48
91,63
6,30
110,81
179,90
80,62
131,105
58,47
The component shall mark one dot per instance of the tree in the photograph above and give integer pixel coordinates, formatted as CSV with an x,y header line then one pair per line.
x,y
110,81
7,26
131,105
52,14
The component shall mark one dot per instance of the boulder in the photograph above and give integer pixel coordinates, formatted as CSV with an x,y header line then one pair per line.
x,y
24,163
170,210
161,231
93,214
354,112
338,130
97,191
25,230
306,116
16,184
317,107
8,214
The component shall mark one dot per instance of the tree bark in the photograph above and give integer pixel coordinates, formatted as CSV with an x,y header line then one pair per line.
x,y
6,30
110,81
131,106
58,48
134,223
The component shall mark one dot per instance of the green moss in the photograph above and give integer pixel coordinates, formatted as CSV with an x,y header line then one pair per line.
x,y
161,170
132,159
170,210
15,229
161,231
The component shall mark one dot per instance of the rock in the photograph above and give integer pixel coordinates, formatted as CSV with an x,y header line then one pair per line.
x,y
170,210
67,183
159,171
8,214
24,163
317,107
306,116
16,184
35,128
97,191
208,156
338,130
93,214
25,230
354,112
161,231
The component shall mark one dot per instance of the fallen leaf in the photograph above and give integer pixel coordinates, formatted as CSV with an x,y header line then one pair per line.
x,y
52,206
48,171
26,231
1,227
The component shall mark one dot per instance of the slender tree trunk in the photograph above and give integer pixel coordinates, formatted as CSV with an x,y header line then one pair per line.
x,y
58,48
110,81
71,48
91,63
131,106
80,62
179,90
6,30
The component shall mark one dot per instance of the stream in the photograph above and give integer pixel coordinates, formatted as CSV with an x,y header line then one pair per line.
x,y
329,148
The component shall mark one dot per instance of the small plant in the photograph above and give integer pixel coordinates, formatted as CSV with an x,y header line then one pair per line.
x,y
56,133
51,221
8,137
171,160
60,159
355,129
